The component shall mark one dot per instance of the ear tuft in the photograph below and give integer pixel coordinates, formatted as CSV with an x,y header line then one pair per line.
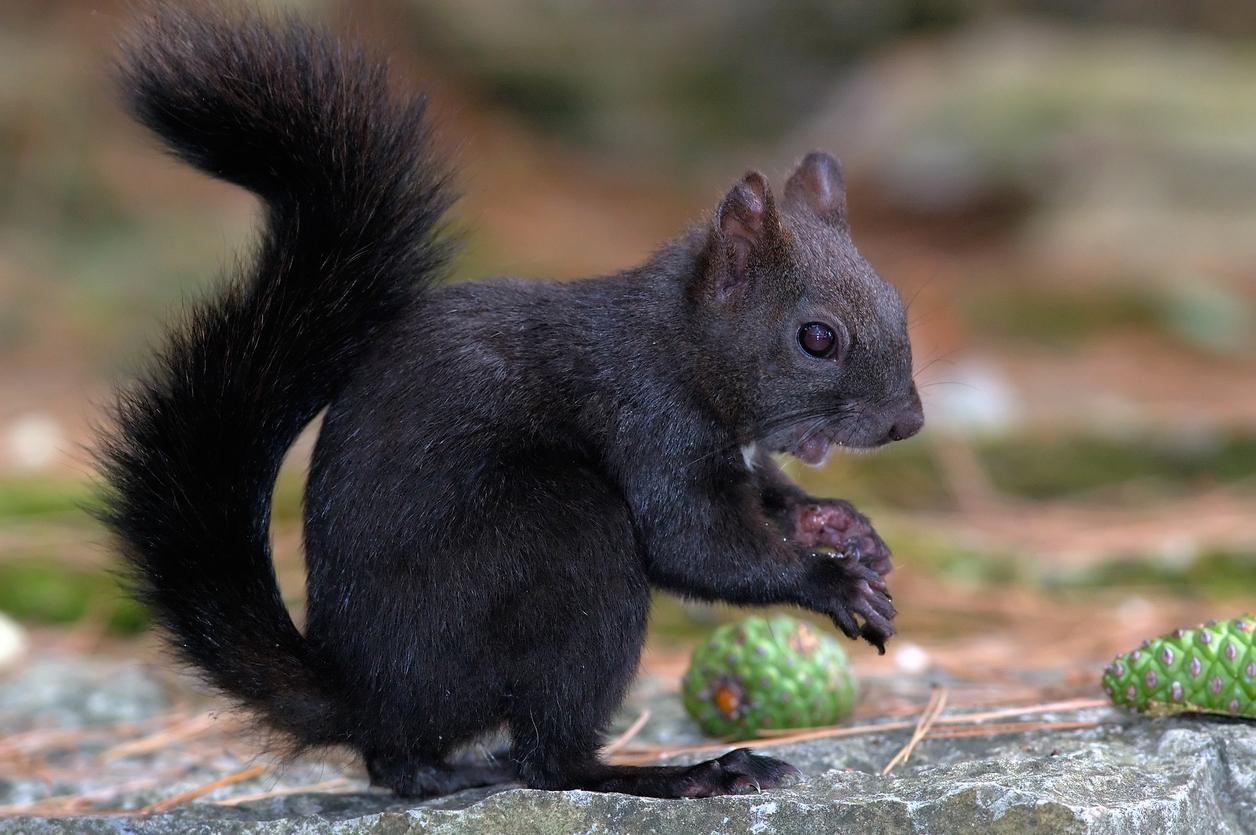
x,y
818,184
741,214
742,220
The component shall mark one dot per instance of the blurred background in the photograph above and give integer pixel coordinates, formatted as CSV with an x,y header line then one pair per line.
x,y
1065,192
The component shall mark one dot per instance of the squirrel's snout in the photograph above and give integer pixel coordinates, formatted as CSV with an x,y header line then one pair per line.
x,y
907,424
909,420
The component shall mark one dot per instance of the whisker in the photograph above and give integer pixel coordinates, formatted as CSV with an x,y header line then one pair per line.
x,y
921,288
939,358
816,426
926,315
950,383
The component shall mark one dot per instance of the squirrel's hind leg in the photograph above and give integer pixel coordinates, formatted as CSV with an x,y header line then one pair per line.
x,y
581,625
421,777
563,754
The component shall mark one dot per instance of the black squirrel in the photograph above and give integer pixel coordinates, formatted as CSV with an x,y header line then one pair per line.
x,y
505,467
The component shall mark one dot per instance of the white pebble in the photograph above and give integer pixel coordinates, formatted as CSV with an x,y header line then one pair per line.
x,y
34,441
911,658
12,641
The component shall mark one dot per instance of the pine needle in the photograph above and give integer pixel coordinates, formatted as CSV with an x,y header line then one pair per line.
x,y
970,724
335,785
1067,705
937,704
628,735
192,794
994,729
177,732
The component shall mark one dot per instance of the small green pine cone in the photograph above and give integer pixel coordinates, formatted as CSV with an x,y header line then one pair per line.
x,y
1210,669
768,673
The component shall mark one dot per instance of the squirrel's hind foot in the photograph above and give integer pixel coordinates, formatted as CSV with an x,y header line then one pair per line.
x,y
420,778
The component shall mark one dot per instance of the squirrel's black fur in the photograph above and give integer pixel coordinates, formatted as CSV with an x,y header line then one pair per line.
x,y
505,467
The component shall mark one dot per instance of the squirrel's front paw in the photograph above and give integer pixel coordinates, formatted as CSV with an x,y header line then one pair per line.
x,y
849,589
833,523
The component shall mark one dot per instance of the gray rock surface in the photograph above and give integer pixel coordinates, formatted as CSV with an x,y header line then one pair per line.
x,y
1127,775
79,692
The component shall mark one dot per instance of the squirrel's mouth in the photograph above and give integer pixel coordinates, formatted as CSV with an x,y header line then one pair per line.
x,y
812,449
812,445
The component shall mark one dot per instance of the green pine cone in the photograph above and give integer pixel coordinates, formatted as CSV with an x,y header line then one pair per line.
x,y
1210,669
768,673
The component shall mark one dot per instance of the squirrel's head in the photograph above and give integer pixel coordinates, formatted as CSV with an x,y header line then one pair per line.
x,y
812,344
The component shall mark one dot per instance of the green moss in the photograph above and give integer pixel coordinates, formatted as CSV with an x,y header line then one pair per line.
x,y
1217,573
1056,467
41,497
1058,319
127,617
26,497
286,500
43,591
1200,316
954,561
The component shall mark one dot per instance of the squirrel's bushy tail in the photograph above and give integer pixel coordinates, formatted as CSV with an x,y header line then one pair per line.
x,y
352,203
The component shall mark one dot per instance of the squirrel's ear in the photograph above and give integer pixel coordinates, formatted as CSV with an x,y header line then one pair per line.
x,y
743,223
818,184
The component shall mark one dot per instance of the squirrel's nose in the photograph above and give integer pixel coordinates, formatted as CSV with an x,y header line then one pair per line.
x,y
907,424
909,420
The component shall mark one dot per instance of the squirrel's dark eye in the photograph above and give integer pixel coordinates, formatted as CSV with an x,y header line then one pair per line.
x,y
817,339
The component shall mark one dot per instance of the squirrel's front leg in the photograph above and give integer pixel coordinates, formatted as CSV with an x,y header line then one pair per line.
x,y
830,524
819,523
836,524
709,535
